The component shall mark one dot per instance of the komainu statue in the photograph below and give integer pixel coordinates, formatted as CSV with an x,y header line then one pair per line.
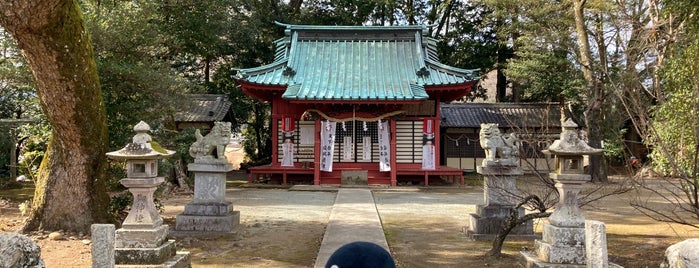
x,y
211,147
499,149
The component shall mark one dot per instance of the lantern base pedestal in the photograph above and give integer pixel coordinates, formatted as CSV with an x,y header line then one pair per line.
x,y
164,255
209,211
561,245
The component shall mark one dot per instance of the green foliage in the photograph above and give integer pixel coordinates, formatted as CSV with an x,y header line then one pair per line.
x,y
19,101
116,170
199,34
676,122
471,41
545,72
136,83
5,147
119,205
179,142
33,148
343,12
17,97
258,143
539,33
614,148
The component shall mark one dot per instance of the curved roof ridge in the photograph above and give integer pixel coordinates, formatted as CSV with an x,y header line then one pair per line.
x,y
423,28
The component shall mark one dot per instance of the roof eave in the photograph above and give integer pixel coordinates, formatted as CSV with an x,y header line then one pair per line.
x,y
243,73
471,73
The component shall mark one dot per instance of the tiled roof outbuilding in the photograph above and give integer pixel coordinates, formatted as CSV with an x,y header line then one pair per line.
x,y
204,108
522,115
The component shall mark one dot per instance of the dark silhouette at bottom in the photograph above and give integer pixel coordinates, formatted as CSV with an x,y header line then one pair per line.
x,y
360,255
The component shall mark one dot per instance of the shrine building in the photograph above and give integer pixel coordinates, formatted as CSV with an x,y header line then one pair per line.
x,y
356,105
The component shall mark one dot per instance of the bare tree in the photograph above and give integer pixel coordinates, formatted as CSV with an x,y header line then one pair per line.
x,y
539,195
647,97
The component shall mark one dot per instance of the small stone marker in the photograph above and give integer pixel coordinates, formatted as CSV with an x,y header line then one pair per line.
x,y
596,244
103,245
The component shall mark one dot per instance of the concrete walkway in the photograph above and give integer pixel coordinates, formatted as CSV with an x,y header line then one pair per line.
x,y
353,218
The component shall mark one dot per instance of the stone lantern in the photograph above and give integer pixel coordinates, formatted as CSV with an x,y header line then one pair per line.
x,y
569,176
563,238
142,238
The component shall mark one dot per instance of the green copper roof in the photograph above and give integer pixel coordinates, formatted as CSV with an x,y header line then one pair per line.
x,y
356,63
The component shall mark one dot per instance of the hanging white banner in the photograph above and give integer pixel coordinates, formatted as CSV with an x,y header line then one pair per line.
x,y
327,145
366,147
347,148
384,147
428,157
288,149
288,154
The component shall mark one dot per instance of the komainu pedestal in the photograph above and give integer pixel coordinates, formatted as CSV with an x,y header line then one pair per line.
x,y
498,189
209,211
499,169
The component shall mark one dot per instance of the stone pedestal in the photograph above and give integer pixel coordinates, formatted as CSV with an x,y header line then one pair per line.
x,y
499,184
142,240
209,211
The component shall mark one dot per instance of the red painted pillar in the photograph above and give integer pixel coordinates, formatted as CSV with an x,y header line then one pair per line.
x,y
394,177
437,139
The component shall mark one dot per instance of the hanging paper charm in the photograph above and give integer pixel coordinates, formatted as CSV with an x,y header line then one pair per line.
x,y
288,141
428,150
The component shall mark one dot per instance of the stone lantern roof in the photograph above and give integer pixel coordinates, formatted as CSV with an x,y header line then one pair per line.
x,y
141,147
570,144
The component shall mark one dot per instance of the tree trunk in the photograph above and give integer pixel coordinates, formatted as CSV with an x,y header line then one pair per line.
x,y
180,176
595,98
70,190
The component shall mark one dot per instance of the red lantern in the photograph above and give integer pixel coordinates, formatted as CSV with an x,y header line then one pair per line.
x,y
288,123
